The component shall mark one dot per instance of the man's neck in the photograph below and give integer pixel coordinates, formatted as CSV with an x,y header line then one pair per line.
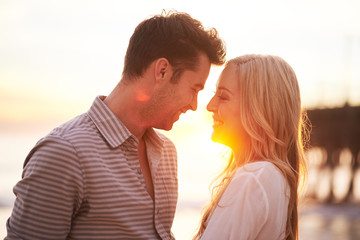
x,y
122,102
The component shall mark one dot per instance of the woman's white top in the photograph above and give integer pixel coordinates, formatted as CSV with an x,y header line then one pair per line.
x,y
253,206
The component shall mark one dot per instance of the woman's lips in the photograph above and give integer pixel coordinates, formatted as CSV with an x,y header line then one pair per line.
x,y
217,122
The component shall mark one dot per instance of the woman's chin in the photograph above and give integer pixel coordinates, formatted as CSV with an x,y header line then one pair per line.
x,y
218,139
224,140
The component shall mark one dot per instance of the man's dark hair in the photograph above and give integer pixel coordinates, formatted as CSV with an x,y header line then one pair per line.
x,y
175,36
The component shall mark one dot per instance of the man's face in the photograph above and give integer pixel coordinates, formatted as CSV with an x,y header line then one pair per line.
x,y
173,99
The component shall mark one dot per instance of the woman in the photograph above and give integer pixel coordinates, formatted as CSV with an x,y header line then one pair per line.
x,y
257,113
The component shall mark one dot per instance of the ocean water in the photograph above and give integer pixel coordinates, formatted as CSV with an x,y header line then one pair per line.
x,y
199,162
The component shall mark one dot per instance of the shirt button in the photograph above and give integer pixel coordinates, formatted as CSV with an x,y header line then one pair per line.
x,y
139,171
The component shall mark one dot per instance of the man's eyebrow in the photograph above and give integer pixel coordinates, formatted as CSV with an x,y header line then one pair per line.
x,y
199,86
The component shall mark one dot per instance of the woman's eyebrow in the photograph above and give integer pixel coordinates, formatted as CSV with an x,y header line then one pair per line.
x,y
224,88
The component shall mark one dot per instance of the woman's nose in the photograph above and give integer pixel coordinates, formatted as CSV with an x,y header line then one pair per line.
x,y
211,105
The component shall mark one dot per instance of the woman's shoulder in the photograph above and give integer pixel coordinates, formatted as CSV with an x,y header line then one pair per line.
x,y
259,169
264,173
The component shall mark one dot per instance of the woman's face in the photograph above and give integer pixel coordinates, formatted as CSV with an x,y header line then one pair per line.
x,y
225,106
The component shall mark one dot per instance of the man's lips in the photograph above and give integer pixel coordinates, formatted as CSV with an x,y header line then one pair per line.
x,y
178,113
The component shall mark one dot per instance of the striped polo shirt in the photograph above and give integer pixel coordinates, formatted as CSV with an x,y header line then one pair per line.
x,y
84,181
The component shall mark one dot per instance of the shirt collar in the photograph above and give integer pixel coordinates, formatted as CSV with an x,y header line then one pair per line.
x,y
110,127
113,130
154,145
154,137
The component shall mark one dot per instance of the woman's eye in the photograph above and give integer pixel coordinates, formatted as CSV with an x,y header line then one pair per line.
x,y
222,95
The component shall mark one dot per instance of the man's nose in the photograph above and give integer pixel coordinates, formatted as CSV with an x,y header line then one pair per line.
x,y
193,104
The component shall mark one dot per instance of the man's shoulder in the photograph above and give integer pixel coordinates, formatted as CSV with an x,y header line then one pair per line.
x,y
75,130
75,127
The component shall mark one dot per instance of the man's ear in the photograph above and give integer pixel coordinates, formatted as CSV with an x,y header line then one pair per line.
x,y
163,69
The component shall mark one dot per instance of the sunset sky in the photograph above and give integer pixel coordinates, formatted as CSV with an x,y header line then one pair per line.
x,y
56,56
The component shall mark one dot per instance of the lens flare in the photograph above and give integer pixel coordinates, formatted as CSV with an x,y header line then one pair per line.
x,y
142,96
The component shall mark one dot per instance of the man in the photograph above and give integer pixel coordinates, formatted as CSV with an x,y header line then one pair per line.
x,y
107,174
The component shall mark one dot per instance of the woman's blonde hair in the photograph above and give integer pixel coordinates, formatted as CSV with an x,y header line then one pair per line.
x,y
273,120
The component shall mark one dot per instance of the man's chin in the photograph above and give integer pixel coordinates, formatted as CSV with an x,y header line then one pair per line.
x,y
166,127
